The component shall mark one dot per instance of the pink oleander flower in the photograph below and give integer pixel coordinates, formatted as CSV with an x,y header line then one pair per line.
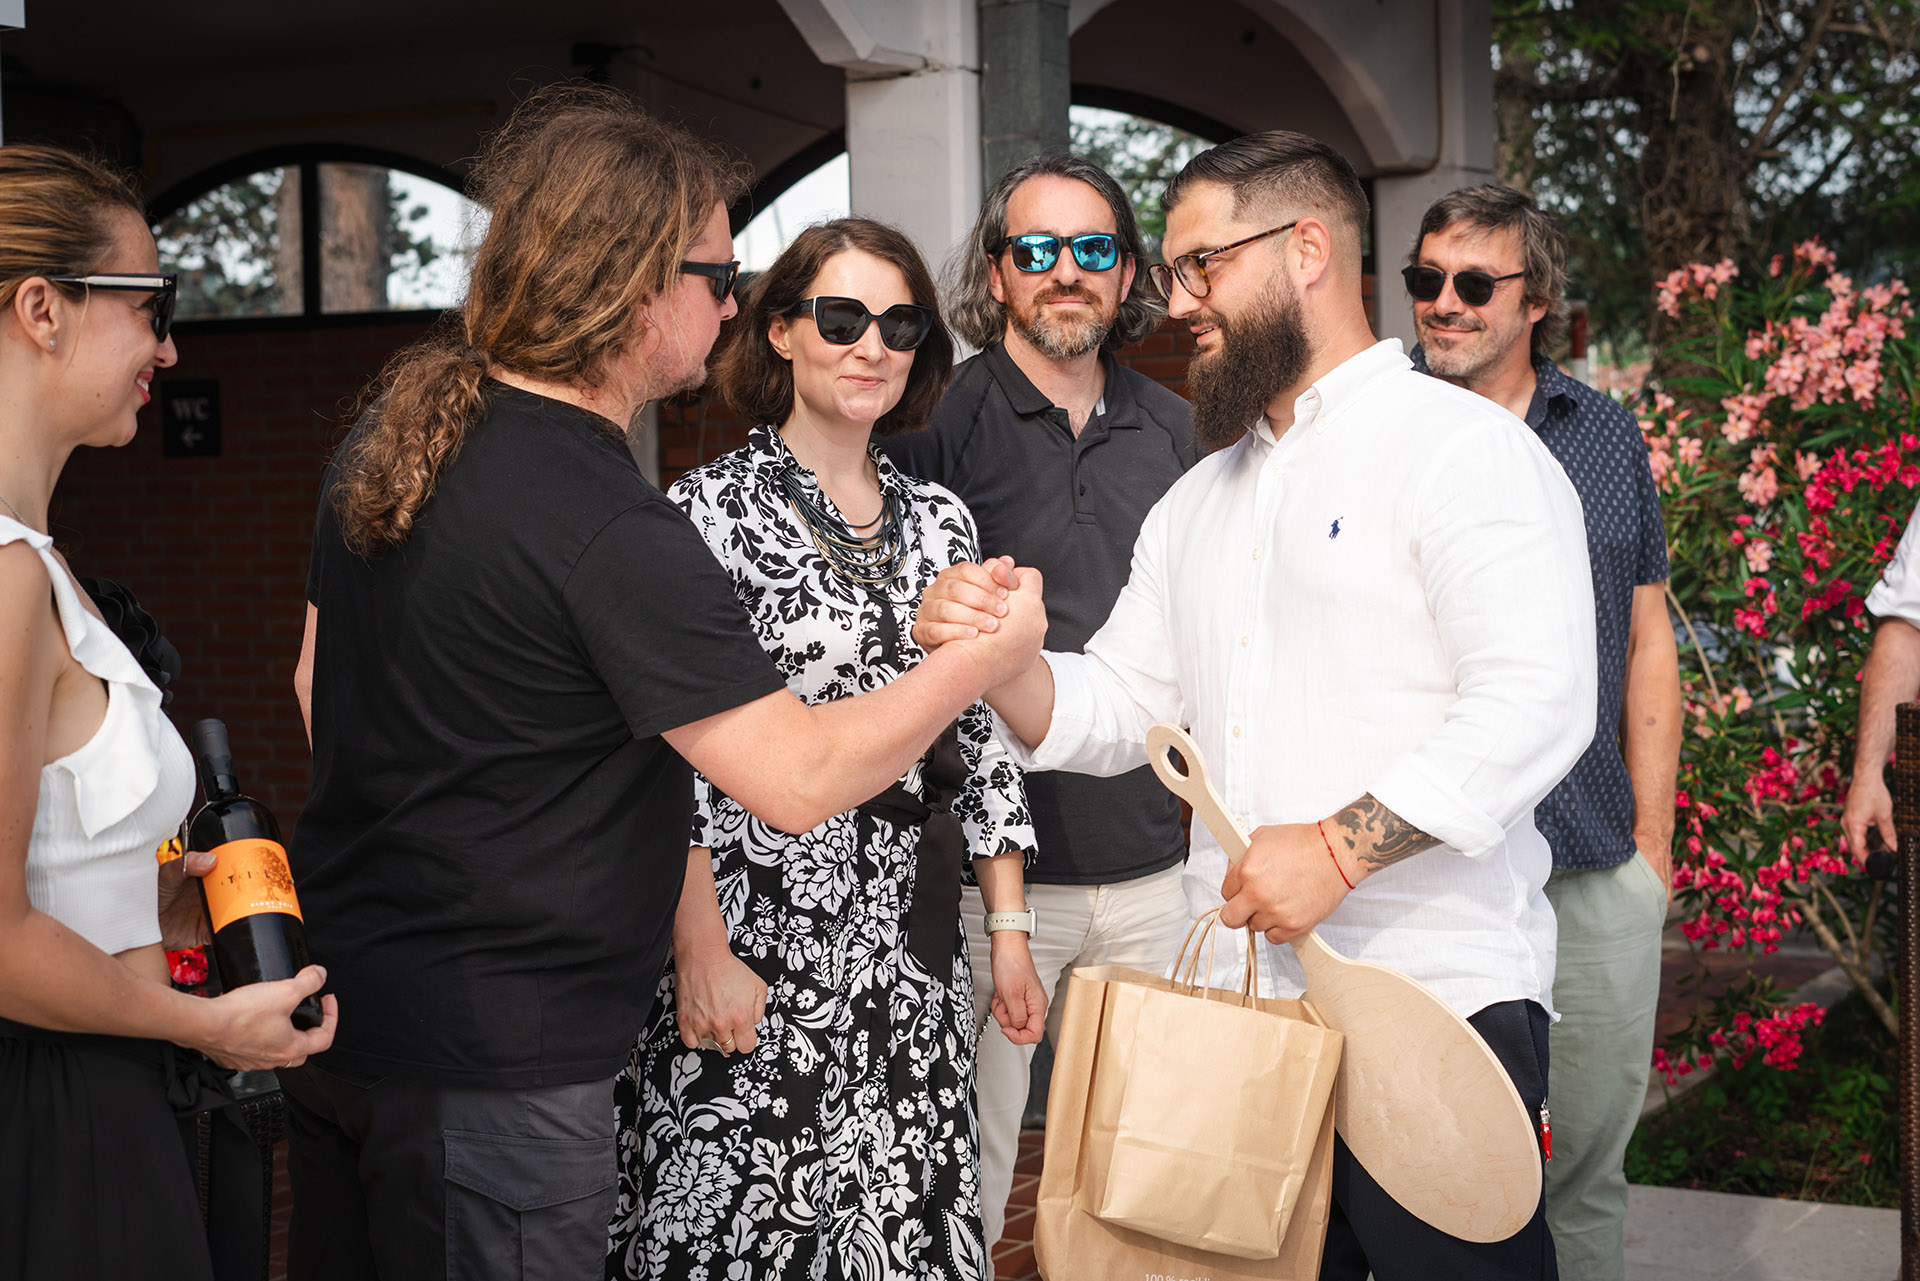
x,y
1759,486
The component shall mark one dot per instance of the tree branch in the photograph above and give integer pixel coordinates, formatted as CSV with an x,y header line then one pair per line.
x,y
1860,976
1763,136
1899,44
1539,92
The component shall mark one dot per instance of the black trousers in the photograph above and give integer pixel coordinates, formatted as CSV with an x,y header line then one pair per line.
x,y
1369,1231
95,1181
410,1181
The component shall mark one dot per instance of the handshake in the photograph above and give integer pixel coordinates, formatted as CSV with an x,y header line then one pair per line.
x,y
993,611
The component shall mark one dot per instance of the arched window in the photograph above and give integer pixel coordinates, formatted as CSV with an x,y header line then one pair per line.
x,y
313,232
822,194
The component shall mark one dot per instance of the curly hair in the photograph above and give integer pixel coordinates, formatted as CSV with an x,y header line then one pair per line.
x,y
981,319
1543,247
594,203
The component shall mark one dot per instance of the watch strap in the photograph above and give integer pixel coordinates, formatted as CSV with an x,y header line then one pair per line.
x,y
1025,921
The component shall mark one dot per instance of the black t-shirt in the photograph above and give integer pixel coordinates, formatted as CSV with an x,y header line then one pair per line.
x,y
1071,507
492,852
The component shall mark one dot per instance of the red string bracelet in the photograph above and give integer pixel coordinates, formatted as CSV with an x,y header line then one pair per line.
x,y
1321,825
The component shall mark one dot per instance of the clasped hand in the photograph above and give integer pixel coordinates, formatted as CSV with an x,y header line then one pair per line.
x,y
996,605
1285,885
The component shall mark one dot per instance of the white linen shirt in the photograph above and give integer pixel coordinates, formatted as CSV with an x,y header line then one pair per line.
x,y
1393,597
1897,594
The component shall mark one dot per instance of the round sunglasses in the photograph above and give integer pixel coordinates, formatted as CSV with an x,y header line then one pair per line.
x,y
1474,288
1095,251
165,290
841,321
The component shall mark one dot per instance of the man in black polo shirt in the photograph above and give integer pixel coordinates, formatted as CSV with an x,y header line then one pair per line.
x,y
1488,279
1060,451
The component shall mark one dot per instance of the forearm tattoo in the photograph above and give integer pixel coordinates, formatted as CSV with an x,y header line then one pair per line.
x,y
1377,835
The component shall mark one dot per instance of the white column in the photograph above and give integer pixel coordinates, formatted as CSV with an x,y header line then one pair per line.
x,y
913,143
1466,135
913,109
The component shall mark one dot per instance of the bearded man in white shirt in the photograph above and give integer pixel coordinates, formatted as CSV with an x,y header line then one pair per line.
x,y
1372,608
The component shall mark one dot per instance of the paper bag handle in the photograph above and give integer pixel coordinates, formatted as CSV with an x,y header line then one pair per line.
x,y
1186,968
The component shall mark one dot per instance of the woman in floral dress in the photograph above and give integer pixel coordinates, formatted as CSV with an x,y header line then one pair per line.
x,y
801,1105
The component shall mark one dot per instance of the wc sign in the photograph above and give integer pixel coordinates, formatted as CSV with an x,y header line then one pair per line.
x,y
190,418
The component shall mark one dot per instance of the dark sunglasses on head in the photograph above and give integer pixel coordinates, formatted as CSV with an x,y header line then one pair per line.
x,y
1095,251
841,321
1474,288
165,289
720,275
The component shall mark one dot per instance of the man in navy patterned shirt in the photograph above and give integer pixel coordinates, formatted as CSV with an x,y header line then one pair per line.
x,y
1488,276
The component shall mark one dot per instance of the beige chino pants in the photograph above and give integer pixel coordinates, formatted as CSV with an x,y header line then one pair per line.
x,y
1137,923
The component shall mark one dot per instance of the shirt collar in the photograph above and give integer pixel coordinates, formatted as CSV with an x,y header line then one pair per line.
x,y
767,449
1338,387
1549,384
1029,401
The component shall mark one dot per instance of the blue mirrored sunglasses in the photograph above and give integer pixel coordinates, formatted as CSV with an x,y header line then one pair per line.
x,y
1095,251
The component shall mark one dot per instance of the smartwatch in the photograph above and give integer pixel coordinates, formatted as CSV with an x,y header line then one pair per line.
x,y
1022,921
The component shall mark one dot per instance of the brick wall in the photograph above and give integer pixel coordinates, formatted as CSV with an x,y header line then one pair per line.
x,y
216,548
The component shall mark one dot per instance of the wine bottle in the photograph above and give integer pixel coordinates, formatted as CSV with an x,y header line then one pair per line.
x,y
258,934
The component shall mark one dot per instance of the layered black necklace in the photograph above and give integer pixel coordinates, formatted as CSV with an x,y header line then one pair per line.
x,y
872,560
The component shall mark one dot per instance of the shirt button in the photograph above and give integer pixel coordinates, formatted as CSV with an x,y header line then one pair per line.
x,y
1245,641
1236,731
1256,553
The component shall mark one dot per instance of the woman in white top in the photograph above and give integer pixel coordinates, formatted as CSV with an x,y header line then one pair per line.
x,y
92,778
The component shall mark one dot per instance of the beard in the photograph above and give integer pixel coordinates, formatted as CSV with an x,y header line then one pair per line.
x,y
1470,353
1064,337
1254,359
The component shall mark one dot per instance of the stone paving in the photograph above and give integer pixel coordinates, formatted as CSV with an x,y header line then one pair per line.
x,y
1673,1234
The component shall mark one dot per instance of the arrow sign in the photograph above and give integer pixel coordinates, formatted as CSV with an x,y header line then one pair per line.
x,y
189,417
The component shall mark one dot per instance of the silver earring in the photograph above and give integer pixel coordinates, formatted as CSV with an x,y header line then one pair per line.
x,y
49,344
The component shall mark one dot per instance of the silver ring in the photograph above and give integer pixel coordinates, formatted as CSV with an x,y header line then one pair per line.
x,y
708,1043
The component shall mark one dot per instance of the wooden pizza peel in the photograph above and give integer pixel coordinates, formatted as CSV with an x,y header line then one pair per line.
x,y
1422,1102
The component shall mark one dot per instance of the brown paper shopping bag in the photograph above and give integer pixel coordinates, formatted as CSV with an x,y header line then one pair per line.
x,y
1174,1147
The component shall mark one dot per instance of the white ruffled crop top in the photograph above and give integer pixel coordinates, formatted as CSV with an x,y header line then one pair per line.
x,y
105,807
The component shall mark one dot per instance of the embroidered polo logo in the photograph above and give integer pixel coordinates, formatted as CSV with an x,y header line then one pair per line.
x,y
1335,531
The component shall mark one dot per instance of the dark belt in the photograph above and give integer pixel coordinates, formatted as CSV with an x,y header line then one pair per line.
x,y
934,913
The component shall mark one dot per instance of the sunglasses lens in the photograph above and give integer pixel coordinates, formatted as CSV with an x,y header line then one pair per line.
x,y
1474,287
163,314
1425,283
1035,253
1096,253
841,321
904,327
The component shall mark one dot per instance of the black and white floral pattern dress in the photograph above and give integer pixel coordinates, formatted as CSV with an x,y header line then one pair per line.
x,y
844,1145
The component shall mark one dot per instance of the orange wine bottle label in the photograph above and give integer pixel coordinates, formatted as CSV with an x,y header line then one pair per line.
x,y
250,877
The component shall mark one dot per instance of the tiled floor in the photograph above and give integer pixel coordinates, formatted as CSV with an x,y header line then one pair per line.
x,y
1013,1257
